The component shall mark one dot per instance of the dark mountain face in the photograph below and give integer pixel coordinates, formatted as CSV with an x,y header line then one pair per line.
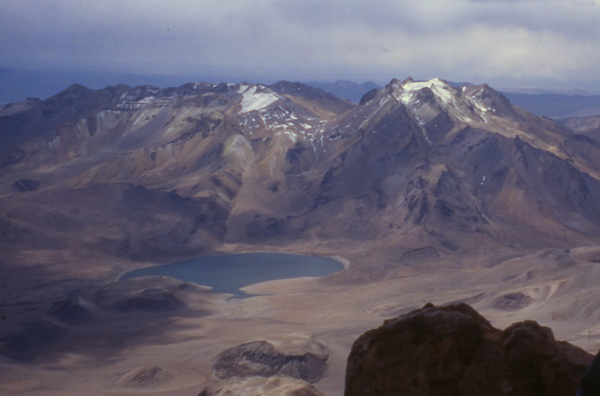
x,y
146,172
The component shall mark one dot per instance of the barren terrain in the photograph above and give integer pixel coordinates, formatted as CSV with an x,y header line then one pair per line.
x,y
108,355
426,193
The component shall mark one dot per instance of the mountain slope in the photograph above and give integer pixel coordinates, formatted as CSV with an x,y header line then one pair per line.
x,y
428,156
416,164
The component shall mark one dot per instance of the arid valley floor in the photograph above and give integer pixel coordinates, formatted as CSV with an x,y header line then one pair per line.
x,y
103,356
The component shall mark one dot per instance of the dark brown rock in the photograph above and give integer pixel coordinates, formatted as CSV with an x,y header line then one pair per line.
x,y
452,350
590,385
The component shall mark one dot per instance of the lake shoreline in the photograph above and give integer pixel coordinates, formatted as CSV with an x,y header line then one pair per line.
x,y
231,273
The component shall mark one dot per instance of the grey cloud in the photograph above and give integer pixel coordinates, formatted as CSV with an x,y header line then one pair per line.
x,y
324,14
459,39
436,17
566,18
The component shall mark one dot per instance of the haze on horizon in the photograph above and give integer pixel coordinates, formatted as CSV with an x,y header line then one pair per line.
x,y
550,44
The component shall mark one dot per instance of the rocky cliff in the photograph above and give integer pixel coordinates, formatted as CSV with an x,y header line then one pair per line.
x,y
452,350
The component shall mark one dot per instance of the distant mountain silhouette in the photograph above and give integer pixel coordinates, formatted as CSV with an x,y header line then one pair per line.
x,y
346,89
557,105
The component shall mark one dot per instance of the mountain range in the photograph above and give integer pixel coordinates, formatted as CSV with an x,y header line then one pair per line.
x,y
18,84
285,162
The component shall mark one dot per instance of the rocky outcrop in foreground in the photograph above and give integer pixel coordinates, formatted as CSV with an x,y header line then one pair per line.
x,y
452,350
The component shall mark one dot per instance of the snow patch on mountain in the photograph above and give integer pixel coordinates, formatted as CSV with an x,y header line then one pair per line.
x,y
457,103
405,91
439,87
483,107
255,101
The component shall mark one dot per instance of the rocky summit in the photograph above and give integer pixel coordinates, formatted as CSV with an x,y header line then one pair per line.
x,y
452,350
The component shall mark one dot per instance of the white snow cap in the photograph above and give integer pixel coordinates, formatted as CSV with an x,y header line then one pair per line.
x,y
461,104
253,100
440,88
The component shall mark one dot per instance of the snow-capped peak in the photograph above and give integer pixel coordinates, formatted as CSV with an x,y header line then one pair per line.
x,y
405,91
254,99
425,100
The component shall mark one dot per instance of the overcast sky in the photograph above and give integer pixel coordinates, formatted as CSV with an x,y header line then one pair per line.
x,y
529,43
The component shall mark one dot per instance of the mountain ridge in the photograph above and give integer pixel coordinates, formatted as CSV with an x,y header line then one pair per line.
x,y
279,159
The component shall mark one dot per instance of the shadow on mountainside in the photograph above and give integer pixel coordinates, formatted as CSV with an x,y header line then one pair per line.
x,y
96,319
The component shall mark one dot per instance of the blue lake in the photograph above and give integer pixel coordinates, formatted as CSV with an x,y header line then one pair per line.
x,y
230,272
